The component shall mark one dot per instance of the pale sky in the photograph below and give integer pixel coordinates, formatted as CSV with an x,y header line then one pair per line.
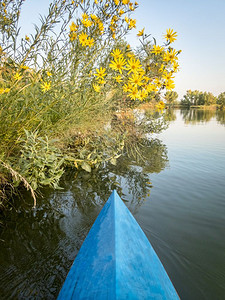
x,y
200,25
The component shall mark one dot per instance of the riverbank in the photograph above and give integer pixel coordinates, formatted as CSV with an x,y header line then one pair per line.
x,y
204,107
99,141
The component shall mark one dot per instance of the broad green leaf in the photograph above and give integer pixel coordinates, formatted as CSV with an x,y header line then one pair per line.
x,y
86,167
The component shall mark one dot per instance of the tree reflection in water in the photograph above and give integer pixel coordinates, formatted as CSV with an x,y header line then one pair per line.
x,y
130,177
195,116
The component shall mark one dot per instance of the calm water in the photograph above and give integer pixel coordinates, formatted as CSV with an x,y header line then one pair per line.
x,y
177,194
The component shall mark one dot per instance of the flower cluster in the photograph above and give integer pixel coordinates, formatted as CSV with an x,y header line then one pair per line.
x,y
107,20
142,77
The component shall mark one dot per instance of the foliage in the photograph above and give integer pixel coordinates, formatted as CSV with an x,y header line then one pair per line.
x,y
198,98
75,69
171,97
40,161
94,149
221,100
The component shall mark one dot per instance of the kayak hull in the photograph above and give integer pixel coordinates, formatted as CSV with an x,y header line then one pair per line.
x,y
116,261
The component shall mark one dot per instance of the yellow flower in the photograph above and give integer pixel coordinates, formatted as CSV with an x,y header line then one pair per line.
x,y
150,87
167,76
141,32
175,66
118,64
17,76
143,94
101,81
146,78
127,87
116,54
115,18
83,38
73,27
170,35
121,12
155,88
4,91
133,93
133,65
96,1
170,55
27,38
136,79
86,22
101,27
118,79
131,7
125,2
97,88
100,73
157,49
132,23
117,2
157,82
85,16
160,105
49,73
94,18
72,35
90,42
45,86
127,19
131,55
24,67
170,85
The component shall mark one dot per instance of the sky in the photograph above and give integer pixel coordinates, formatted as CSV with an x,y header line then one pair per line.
x,y
200,25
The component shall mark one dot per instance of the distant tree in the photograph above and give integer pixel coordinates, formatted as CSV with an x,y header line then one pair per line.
x,y
198,98
221,100
210,99
201,99
171,97
190,98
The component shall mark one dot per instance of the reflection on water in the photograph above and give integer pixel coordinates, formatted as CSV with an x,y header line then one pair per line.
x,y
170,115
195,116
179,202
38,247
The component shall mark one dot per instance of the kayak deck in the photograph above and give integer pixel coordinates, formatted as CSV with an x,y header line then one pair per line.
x,y
116,261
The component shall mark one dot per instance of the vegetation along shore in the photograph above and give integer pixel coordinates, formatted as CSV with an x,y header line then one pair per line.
x,y
67,89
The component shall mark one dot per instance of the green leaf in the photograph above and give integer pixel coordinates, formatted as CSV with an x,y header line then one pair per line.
x,y
86,167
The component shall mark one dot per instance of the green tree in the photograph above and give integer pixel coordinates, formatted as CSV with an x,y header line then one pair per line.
x,y
198,98
190,98
221,100
210,99
171,97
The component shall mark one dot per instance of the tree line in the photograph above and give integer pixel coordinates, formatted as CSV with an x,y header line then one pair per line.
x,y
196,98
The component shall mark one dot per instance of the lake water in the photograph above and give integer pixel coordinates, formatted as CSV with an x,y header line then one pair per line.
x,y
177,195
